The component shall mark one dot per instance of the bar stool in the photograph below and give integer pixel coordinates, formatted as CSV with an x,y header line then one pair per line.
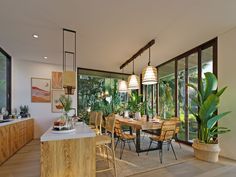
x,y
98,126
92,119
107,141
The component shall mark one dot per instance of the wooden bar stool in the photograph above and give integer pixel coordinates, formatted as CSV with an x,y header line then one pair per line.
x,y
92,119
106,141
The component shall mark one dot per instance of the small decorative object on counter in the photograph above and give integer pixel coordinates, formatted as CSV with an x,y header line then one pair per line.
x,y
66,102
24,111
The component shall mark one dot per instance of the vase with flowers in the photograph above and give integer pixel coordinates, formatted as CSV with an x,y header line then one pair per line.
x,y
66,102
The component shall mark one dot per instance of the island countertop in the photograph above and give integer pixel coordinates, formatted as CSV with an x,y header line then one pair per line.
x,y
13,121
81,131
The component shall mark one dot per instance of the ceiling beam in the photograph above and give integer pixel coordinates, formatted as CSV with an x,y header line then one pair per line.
x,y
139,52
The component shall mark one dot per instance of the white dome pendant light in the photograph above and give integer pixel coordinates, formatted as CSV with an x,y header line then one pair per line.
x,y
133,81
149,74
122,86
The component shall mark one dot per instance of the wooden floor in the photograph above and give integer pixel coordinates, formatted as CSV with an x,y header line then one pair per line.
x,y
25,163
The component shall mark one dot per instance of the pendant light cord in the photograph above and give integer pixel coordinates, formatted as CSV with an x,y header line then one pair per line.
x,y
133,66
122,73
149,62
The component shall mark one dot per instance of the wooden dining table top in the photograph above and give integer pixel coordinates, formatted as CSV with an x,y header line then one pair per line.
x,y
140,124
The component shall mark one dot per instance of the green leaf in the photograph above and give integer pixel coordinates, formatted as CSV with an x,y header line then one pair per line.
x,y
201,89
211,84
219,93
208,107
212,134
211,122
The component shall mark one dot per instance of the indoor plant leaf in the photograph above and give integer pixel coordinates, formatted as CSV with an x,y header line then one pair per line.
x,y
211,84
211,122
208,107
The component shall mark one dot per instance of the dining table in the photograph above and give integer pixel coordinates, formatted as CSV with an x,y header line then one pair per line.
x,y
140,125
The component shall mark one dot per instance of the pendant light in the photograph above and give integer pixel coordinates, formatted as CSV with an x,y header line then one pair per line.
x,y
69,76
122,86
133,81
149,74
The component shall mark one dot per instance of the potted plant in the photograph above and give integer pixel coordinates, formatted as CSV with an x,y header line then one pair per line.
x,y
66,102
135,105
206,145
24,111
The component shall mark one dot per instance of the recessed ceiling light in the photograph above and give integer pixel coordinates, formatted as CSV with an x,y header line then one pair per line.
x,y
35,36
45,57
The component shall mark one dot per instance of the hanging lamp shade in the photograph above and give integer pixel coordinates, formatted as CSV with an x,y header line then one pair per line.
x,y
122,87
133,82
69,82
149,75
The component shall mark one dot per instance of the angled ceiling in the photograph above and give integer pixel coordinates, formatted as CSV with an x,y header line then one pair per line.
x,y
109,31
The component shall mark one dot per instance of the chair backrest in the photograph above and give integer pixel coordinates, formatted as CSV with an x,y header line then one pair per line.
x,y
93,118
117,129
99,121
167,130
177,121
110,124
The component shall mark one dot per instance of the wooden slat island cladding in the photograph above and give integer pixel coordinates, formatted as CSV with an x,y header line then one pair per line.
x,y
14,135
69,155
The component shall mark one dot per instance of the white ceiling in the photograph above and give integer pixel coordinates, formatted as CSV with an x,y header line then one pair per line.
x,y
110,31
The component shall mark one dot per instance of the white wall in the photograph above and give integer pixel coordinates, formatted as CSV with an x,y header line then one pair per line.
x,y
21,92
227,77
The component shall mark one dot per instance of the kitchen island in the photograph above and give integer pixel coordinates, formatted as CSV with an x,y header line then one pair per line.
x,y
69,154
14,134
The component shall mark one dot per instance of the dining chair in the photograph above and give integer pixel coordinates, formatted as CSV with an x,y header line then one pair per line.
x,y
177,129
166,135
92,119
107,141
98,124
123,138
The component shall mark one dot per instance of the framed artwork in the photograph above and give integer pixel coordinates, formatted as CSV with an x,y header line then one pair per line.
x,y
56,80
56,104
40,90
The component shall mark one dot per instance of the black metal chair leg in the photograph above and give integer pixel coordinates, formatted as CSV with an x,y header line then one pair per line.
x,y
122,149
168,145
117,143
129,145
135,146
179,145
173,150
160,152
149,147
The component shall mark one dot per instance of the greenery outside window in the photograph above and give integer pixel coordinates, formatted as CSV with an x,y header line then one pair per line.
x,y
98,91
5,80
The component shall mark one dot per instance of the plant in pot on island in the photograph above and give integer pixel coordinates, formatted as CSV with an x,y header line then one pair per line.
x,y
135,105
206,146
65,123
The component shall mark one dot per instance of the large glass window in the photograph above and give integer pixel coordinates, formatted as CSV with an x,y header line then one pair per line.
x,y
5,81
98,91
187,68
166,80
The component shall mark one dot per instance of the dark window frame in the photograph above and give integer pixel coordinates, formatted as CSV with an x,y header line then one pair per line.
x,y
211,43
8,79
